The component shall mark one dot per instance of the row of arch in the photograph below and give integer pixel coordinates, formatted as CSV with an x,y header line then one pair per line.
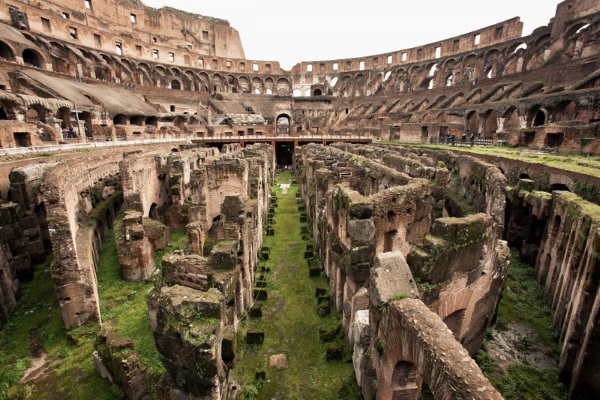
x,y
516,56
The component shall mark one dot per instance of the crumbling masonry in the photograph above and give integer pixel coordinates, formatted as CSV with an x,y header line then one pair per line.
x,y
414,242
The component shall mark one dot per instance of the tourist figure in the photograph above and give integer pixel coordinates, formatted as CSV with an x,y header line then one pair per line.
x,y
472,139
452,139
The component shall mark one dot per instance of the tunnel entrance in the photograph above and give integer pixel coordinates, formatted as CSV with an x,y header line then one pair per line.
x,y
284,152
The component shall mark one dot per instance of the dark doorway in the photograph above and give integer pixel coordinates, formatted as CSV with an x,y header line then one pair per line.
x,y
424,134
540,118
22,139
388,241
284,152
554,139
153,212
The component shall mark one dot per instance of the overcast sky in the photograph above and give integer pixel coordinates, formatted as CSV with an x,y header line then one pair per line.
x,y
315,30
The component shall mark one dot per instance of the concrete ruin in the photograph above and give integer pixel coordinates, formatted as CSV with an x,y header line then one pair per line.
x,y
414,242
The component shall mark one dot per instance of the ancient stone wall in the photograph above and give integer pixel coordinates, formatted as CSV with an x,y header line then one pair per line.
x,y
567,266
363,209
74,274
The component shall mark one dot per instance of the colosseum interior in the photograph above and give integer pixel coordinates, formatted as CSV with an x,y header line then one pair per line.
x,y
180,222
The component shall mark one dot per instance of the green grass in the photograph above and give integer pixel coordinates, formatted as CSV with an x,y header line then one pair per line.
x,y
291,323
72,374
524,302
587,165
123,304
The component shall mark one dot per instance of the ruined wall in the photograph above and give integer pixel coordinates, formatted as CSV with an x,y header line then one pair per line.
x,y
567,266
364,208
74,274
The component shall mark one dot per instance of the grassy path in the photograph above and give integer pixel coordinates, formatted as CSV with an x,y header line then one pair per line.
x,y
291,323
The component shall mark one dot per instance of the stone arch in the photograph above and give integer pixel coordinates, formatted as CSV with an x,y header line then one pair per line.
x,y
511,120
537,116
142,74
136,120
120,119
204,82
269,85
283,123
33,58
566,110
577,28
175,84
217,82
36,113
60,57
244,84
102,72
191,78
406,381
469,70
490,123
6,51
283,87
257,84
472,122
152,121
490,63
64,115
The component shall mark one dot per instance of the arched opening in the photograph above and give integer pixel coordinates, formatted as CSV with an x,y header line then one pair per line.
x,y
136,120
283,124
559,186
152,121
64,114
449,79
6,53
120,119
32,59
539,118
454,322
175,84
35,113
154,212
317,92
3,113
472,122
406,381
566,111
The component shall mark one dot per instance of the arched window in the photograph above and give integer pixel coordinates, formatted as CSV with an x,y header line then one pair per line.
x,y
175,84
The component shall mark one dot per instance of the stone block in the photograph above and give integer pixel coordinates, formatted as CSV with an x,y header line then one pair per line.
x,y
225,254
314,272
229,344
334,351
329,334
256,310
260,294
255,337
324,309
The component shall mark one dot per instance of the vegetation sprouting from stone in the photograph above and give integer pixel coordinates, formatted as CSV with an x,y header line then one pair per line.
x,y
293,324
36,328
523,305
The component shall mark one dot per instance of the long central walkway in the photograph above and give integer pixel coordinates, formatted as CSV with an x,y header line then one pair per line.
x,y
291,323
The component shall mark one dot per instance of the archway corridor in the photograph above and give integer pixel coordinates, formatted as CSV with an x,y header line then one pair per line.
x,y
291,320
